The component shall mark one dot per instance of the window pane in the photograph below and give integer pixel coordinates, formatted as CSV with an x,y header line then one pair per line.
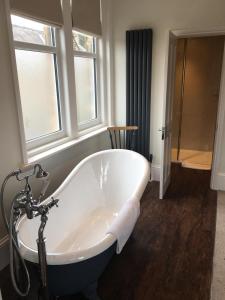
x,y
25,30
85,89
36,73
83,42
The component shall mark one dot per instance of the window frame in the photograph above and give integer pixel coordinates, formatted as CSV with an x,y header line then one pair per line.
x,y
73,135
96,59
55,50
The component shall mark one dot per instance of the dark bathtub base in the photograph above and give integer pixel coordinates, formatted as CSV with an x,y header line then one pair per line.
x,y
83,276
91,292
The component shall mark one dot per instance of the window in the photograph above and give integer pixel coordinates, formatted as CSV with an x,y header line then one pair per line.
x,y
36,51
86,79
55,108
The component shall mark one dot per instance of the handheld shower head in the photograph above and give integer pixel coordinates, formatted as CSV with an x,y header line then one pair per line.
x,y
31,170
42,174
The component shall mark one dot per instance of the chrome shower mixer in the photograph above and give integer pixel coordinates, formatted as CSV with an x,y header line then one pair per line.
x,y
24,203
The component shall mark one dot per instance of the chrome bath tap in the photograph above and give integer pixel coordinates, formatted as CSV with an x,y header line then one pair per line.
x,y
24,203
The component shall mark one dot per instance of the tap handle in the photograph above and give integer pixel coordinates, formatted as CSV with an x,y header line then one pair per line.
x,y
53,202
44,208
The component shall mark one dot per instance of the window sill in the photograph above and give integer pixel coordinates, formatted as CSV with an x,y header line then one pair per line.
x,y
66,143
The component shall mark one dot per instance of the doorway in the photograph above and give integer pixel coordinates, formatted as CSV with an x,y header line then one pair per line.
x,y
195,101
215,149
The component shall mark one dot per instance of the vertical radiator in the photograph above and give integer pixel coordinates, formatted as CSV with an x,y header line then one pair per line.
x,y
138,86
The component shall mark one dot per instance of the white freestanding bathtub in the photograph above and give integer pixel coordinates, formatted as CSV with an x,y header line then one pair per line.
x,y
90,198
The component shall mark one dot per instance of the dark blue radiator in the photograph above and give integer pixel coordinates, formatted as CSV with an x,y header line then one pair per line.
x,y
138,86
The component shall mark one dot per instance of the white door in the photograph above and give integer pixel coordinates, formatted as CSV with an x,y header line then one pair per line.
x,y
218,166
166,132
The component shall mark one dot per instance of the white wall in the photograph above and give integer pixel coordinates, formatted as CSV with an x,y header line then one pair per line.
x,y
58,165
161,16
10,152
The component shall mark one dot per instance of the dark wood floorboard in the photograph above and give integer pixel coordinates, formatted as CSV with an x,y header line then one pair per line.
x,y
170,253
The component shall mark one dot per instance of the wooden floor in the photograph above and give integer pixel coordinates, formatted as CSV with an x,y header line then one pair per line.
x,y
169,256
193,159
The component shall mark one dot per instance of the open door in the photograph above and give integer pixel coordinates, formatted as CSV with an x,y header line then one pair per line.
x,y
218,166
166,130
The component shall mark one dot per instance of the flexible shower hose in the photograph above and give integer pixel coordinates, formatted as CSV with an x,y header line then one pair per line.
x,y
13,246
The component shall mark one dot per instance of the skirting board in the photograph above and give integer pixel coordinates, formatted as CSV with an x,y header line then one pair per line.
x,y
155,172
4,252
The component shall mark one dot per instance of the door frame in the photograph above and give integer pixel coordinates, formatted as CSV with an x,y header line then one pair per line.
x,y
216,182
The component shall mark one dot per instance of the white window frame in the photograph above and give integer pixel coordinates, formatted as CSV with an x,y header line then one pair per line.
x,y
95,56
55,49
72,135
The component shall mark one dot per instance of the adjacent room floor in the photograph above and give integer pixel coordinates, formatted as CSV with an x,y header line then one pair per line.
x,y
170,254
193,158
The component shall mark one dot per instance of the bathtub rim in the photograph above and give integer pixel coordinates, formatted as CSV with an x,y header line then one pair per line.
x,y
62,258
89,157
